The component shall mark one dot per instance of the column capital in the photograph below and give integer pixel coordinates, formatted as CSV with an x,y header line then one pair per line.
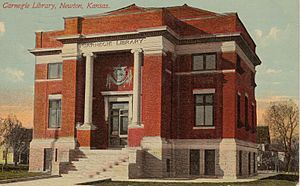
x,y
89,54
137,50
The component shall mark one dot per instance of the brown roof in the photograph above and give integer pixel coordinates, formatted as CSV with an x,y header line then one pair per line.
x,y
263,135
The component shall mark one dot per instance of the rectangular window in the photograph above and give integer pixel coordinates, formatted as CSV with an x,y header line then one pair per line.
x,y
204,110
4,155
238,108
54,113
249,163
204,61
254,162
54,70
56,154
168,164
240,162
246,113
253,118
194,161
209,162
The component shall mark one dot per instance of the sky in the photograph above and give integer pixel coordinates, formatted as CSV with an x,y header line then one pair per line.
x,y
273,25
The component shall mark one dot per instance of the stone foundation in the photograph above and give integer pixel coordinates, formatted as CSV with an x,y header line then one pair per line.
x,y
158,158
60,153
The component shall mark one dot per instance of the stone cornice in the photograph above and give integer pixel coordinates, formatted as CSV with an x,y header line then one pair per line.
x,y
45,51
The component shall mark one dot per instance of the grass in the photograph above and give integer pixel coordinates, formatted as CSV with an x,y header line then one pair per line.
x,y
279,180
17,174
13,172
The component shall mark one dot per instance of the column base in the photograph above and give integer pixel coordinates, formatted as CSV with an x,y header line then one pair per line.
x,y
86,126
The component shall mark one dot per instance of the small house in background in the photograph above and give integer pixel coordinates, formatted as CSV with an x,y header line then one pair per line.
x,y
268,154
20,153
6,154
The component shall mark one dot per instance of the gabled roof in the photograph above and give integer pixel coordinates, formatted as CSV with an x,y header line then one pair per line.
x,y
263,135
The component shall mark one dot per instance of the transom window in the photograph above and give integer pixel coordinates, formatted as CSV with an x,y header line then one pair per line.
x,y
54,70
204,110
204,61
54,113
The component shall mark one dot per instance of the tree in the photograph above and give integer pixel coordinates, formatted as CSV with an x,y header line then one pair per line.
x,y
282,118
14,136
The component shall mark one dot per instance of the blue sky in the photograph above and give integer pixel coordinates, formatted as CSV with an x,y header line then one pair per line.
x,y
273,24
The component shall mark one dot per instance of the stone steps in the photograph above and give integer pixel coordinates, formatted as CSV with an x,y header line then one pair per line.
x,y
98,164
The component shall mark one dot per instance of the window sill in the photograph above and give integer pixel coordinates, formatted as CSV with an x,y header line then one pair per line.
x,y
204,127
58,128
41,80
54,79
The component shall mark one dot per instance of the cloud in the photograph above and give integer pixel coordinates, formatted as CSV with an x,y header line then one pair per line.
x,y
2,28
276,82
14,74
265,38
258,33
272,71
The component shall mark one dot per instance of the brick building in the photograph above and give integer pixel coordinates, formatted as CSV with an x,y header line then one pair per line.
x,y
171,88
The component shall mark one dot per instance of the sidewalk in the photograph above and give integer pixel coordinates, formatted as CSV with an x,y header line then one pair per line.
x,y
58,181
62,181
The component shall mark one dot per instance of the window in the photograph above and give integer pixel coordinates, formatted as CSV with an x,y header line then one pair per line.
x,y
240,162
239,68
238,107
4,155
168,164
254,162
246,113
204,110
194,161
56,153
253,118
209,162
54,70
253,79
204,62
54,113
249,163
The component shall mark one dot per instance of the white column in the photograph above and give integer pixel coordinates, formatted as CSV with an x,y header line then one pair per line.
x,y
88,98
136,106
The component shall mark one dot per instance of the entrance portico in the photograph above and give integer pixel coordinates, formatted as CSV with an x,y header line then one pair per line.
x,y
92,55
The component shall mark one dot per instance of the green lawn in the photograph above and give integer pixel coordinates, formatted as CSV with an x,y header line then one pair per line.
x,y
19,171
279,180
13,174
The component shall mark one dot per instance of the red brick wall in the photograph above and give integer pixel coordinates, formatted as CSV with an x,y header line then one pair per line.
x,y
124,23
41,104
244,86
184,102
229,97
80,90
225,84
41,71
66,87
69,97
48,39
166,97
73,25
152,94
